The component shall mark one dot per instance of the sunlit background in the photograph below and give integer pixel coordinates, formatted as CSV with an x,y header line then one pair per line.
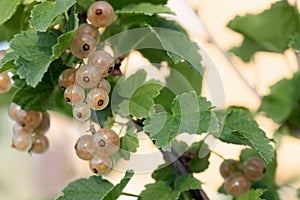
x,y
40,177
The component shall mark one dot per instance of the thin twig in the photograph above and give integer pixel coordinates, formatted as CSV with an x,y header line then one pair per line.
x,y
212,40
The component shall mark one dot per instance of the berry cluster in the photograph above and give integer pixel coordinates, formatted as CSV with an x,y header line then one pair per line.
x,y
98,148
29,129
87,89
238,175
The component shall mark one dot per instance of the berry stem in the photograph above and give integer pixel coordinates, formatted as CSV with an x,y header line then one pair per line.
x,y
129,194
217,154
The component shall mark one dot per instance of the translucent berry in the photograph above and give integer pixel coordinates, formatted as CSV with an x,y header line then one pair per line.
x,y
82,45
103,60
236,184
107,142
101,14
101,165
254,168
104,84
89,29
5,82
97,99
81,112
30,120
22,141
13,110
41,144
17,128
83,147
87,76
66,78
44,125
229,167
74,94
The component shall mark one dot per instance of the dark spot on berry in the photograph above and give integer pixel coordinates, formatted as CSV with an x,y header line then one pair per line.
x,y
79,115
68,99
86,47
22,123
101,143
86,79
110,70
95,171
99,12
75,147
264,170
100,102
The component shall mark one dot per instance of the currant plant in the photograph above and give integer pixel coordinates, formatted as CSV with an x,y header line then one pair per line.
x,y
66,56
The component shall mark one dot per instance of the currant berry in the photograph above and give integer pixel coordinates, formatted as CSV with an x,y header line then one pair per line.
x,y
30,120
87,76
13,110
97,99
82,112
17,128
44,125
83,147
22,141
41,144
236,184
254,168
104,84
101,165
101,14
66,78
229,167
82,45
89,29
5,82
74,94
103,60
107,142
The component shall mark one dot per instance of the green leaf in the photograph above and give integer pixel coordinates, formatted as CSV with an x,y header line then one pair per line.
x,y
239,128
42,97
184,183
190,114
94,188
120,4
64,40
251,195
142,99
7,9
144,8
44,13
162,190
136,95
200,162
295,43
7,62
128,143
179,47
298,193
271,36
267,183
17,23
247,49
164,173
279,104
35,52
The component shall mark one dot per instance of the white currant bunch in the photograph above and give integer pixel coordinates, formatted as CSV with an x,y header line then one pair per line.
x,y
29,129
